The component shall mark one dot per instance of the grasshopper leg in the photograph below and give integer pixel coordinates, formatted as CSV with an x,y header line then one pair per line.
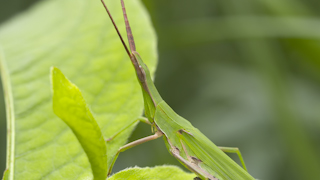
x,y
234,150
141,119
133,144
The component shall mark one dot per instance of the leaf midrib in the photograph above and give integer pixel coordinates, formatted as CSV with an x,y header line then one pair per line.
x,y
8,97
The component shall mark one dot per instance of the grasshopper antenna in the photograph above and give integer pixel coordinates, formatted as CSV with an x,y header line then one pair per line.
x,y
139,70
128,28
115,26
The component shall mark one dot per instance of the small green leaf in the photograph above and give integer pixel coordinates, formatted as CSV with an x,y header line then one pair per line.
x,y
6,174
156,173
70,106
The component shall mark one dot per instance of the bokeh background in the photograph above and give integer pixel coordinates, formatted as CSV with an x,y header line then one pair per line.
x,y
245,72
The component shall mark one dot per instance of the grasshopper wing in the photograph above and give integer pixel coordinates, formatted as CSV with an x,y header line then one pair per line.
x,y
211,158
193,149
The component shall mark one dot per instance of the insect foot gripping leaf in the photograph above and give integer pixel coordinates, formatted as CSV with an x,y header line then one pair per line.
x,y
71,107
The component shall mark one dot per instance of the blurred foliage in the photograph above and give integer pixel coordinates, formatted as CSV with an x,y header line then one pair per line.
x,y
246,73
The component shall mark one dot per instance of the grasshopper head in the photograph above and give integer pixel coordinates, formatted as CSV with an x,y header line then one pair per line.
x,y
141,69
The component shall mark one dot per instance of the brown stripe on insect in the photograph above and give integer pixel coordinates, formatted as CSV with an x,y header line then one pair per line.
x,y
184,131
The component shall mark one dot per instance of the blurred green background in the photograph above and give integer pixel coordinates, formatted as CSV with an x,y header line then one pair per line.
x,y
245,72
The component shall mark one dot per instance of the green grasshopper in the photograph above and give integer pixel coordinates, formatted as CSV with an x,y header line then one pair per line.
x,y
185,142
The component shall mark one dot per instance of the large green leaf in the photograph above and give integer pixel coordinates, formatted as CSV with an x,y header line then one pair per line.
x,y
69,105
77,37
156,173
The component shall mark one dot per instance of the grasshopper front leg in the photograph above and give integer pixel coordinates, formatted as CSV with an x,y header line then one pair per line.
x,y
133,144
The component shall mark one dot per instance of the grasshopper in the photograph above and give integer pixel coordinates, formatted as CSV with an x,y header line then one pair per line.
x,y
185,142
